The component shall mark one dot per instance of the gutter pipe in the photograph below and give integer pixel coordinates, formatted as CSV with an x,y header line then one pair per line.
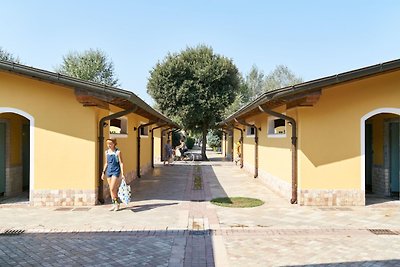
x,y
256,145
152,143
294,149
138,145
100,196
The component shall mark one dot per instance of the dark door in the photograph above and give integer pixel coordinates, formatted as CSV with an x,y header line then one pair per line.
x,y
368,157
2,158
394,138
25,156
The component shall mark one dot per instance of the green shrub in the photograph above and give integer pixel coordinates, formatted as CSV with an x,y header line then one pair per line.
x,y
189,142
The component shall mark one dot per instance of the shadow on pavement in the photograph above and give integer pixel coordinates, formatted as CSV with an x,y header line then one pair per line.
x,y
139,208
175,182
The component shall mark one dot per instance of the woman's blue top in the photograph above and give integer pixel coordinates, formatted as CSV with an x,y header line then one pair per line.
x,y
113,167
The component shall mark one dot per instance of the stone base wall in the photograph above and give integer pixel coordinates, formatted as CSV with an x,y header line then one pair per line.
x,y
67,197
277,185
380,180
332,198
13,181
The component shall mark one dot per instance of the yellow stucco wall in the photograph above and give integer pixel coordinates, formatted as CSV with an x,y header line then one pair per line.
x,y
64,135
236,137
274,152
329,143
127,143
157,144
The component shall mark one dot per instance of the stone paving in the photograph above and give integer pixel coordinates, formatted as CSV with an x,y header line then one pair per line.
x,y
170,223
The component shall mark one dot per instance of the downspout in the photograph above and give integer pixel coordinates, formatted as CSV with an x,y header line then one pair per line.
x,y
152,143
100,197
294,149
138,146
241,147
255,145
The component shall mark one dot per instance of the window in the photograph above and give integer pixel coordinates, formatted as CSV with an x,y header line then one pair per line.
x,y
119,126
144,131
276,127
250,130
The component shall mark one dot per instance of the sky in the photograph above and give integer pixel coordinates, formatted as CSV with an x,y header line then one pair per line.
x,y
313,38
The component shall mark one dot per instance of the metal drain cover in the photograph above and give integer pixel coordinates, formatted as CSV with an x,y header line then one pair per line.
x,y
199,232
10,232
383,232
63,209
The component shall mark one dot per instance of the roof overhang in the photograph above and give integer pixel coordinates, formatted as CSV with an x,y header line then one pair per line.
x,y
90,93
307,93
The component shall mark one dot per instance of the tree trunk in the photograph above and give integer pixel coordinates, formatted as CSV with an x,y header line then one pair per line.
x,y
204,144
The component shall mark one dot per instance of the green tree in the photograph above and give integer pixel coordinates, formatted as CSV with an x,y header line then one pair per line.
x,y
280,77
91,65
6,56
242,97
255,82
194,86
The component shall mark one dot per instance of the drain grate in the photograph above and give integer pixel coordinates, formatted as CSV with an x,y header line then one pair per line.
x,y
199,232
11,232
383,232
63,209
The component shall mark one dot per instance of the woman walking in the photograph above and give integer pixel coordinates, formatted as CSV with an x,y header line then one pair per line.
x,y
114,171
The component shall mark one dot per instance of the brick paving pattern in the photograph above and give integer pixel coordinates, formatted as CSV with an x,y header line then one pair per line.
x,y
169,223
85,250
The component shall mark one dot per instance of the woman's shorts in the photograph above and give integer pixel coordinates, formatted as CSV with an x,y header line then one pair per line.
x,y
116,174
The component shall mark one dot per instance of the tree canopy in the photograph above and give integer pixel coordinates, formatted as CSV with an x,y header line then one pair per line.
x,y
7,56
91,65
256,83
194,86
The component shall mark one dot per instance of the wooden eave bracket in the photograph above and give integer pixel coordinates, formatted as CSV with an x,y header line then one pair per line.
x,y
91,99
308,100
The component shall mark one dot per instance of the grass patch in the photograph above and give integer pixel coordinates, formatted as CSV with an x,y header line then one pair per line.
x,y
237,202
197,183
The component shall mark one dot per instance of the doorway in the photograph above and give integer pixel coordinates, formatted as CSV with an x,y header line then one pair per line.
x,y
394,139
381,149
2,158
15,157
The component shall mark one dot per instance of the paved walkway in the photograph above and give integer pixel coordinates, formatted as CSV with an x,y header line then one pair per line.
x,y
171,223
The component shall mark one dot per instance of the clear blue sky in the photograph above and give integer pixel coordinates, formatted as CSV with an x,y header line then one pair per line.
x,y
313,38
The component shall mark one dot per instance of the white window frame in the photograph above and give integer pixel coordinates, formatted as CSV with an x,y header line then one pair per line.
x,y
248,131
146,131
271,128
124,128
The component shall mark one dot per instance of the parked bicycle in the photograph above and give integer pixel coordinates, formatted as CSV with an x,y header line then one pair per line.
x,y
185,156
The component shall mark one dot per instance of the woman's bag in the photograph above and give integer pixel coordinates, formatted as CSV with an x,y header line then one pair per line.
x,y
124,192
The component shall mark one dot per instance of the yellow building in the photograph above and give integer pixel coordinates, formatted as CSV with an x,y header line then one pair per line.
x,y
330,141
52,133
